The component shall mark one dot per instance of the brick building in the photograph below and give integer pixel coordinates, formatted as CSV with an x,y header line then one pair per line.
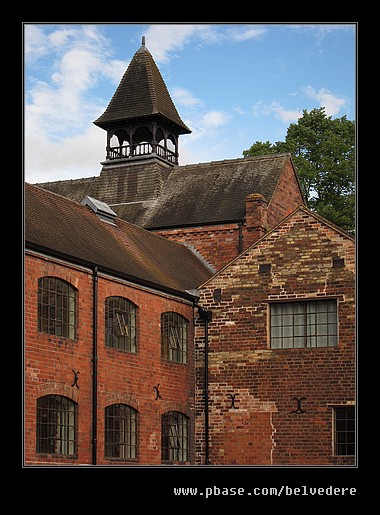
x,y
109,356
177,281
281,350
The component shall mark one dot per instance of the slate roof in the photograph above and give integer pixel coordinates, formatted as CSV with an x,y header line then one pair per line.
x,y
68,230
193,194
205,193
73,189
142,92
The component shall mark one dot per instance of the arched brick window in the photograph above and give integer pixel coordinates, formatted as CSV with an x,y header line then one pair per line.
x,y
120,432
174,337
121,331
175,437
56,425
56,307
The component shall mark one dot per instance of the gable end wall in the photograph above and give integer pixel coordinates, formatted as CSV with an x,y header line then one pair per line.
x,y
265,381
286,197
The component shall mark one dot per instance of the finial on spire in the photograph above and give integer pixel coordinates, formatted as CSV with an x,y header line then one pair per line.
x,y
143,40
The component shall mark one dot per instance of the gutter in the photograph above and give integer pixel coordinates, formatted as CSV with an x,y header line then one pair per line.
x,y
240,242
94,363
206,317
190,225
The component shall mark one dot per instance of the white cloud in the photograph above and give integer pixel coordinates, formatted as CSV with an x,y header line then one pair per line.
x,y
207,137
207,130
285,115
322,30
114,70
213,119
243,34
60,37
76,156
78,70
183,97
164,39
332,103
59,107
34,42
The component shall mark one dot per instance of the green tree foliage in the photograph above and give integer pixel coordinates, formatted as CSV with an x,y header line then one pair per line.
x,y
323,152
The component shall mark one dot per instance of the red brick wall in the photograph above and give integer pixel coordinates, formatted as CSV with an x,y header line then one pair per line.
x,y
261,429
132,376
286,197
217,244
49,360
256,219
123,377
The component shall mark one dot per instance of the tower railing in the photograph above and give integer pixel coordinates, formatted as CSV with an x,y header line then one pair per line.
x,y
141,149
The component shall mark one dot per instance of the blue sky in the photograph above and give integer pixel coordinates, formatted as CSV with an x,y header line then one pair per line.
x,y
233,84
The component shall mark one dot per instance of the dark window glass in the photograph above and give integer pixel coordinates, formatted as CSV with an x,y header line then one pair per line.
x,y
121,324
174,337
56,307
121,432
344,422
56,425
175,437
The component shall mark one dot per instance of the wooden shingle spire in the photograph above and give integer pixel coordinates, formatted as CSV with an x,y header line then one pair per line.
x,y
142,111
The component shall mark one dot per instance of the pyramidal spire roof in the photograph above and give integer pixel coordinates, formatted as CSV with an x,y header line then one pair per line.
x,y
141,93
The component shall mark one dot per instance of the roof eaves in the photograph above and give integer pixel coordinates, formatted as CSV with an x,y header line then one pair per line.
x,y
185,294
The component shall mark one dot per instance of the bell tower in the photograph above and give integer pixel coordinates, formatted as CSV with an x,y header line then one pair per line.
x,y
141,119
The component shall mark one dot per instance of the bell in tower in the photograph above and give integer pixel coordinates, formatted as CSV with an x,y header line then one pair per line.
x,y
141,120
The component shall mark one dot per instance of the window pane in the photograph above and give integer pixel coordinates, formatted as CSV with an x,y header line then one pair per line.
x,y
287,308
322,341
287,343
344,431
276,343
120,324
56,425
56,307
299,342
175,441
174,337
298,308
322,329
304,324
120,432
311,321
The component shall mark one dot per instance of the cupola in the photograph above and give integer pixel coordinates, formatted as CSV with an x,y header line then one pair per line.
x,y
141,119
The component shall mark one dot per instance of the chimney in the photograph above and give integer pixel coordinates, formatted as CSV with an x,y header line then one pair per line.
x,y
255,218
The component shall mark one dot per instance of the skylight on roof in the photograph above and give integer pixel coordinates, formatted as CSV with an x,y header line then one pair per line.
x,y
102,209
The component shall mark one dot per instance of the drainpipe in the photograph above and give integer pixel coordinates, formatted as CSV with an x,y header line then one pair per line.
x,y
206,317
240,244
94,362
